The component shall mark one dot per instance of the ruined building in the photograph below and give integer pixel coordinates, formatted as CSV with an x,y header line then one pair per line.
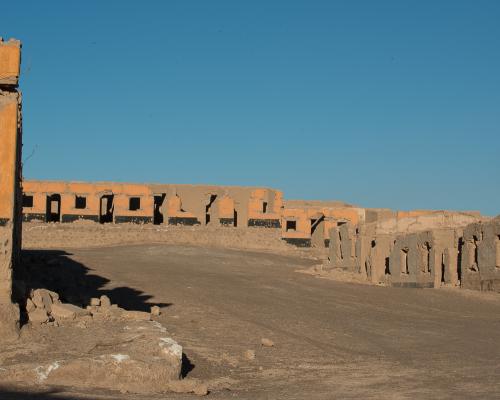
x,y
480,256
10,186
308,223
108,202
420,249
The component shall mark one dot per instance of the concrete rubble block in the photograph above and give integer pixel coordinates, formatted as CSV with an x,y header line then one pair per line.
x,y
95,302
105,301
249,354
67,311
106,313
155,311
30,306
38,316
127,356
43,298
266,342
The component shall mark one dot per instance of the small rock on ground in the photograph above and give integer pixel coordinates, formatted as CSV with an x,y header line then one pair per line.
x,y
249,354
266,342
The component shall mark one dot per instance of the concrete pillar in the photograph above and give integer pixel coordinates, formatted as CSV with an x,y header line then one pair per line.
x,y
10,186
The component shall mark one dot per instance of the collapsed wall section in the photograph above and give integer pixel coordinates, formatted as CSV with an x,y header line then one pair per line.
x,y
425,259
481,256
410,249
10,183
306,225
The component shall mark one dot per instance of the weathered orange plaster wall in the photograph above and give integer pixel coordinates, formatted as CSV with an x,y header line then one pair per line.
x,y
8,156
10,60
10,186
226,207
256,202
303,216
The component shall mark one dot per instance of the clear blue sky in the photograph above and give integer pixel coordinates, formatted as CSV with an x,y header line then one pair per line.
x,y
380,103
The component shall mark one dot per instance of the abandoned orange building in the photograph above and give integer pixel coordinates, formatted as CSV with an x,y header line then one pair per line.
x,y
107,202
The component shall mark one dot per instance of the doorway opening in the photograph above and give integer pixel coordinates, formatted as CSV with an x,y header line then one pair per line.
x,y
459,258
106,209
53,210
387,266
443,268
207,208
157,204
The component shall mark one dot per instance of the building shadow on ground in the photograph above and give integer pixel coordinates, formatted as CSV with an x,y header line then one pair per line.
x,y
50,394
75,283
61,393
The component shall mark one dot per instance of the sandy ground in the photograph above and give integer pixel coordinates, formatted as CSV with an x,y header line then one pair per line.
x,y
88,234
331,339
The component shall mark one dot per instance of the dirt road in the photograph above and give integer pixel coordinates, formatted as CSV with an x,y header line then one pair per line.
x,y
332,339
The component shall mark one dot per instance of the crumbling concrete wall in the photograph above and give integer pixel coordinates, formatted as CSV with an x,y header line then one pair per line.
x,y
308,223
425,259
480,258
10,184
152,203
414,249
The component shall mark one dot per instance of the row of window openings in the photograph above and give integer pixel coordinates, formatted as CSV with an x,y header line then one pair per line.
x,y
81,202
134,204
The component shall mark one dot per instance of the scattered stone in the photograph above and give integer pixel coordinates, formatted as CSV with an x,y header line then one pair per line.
x,y
105,301
136,315
37,299
155,311
43,298
105,357
266,342
249,354
95,302
67,311
54,296
30,306
38,316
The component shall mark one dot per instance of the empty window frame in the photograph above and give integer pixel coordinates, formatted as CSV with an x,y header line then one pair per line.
x,y
264,207
27,200
80,202
134,203
291,225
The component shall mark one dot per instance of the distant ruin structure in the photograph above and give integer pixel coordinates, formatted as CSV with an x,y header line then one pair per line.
x,y
426,249
159,204
10,183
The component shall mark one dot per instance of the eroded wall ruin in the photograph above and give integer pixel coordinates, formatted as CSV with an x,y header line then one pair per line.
x,y
159,204
308,223
481,256
10,186
409,249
